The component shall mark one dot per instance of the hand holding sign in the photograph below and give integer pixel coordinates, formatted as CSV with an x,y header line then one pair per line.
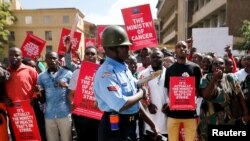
x,y
68,44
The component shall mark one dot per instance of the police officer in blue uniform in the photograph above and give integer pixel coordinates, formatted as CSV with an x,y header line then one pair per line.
x,y
116,89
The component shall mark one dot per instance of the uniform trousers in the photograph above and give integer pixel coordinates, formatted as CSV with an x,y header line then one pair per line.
x,y
126,132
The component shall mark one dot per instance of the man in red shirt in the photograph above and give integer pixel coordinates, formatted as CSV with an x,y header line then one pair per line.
x,y
21,84
23,78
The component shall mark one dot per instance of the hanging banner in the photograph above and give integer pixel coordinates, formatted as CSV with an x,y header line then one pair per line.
x,y
89,42
182,93
100,29
75,41
32,46
140,26
84,98
23,121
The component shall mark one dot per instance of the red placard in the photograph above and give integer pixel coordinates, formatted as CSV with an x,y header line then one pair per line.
x,y
182,93
75,41
23,121
32,46
140,26
100,29
89,42
84,98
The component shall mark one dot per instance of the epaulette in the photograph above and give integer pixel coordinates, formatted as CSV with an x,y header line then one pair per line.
x,y
109,68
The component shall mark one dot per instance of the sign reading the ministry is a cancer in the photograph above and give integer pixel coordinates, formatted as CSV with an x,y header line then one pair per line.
x,y
84,99
32,46
140,26
23,121
182,93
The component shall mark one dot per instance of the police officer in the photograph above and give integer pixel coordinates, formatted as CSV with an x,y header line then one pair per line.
x,y
116,90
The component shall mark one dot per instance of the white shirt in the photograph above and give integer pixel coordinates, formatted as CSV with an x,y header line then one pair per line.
x,y
241,75
74,79
158,96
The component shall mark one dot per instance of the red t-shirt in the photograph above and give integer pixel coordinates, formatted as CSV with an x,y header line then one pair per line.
x,y
21,83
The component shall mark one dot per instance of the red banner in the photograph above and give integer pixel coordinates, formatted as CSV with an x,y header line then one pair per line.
x,y
182,93
140,26
100,29
84,98
75,41
89,42
23,121
32,46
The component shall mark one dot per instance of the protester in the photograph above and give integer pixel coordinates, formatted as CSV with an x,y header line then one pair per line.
x,y
230,63
145,59
34,64
29,62
243,76
242,62
4,75
168,61
219,91
197,58
61,58
116,89
21,84
182,68
132,65
86,128
53,85
158,97
206,64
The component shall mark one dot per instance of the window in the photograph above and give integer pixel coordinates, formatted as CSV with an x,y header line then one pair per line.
x,y
7,1
65,19
222,19
214,21
46,19
28,19
12,36
48,35
48,48
29,32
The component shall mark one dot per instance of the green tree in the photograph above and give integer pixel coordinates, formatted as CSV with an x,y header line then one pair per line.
x,y
6,18
245,32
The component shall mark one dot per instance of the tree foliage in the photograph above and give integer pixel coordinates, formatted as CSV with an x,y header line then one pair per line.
x,y
6,18
245,32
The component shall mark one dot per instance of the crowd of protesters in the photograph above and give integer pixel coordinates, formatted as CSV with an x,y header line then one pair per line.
x,y
222,85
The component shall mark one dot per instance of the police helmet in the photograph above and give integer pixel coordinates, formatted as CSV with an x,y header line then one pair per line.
x,y
114,36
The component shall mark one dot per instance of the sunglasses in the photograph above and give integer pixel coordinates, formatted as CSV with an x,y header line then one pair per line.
x,y
218,63
90,53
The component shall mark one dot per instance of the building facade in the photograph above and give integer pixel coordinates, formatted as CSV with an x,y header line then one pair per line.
x,y
47,24
178,17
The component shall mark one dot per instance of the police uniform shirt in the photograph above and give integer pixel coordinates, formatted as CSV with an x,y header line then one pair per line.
x,y
113,84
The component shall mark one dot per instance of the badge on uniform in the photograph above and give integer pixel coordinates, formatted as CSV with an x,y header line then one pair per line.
x,y
113,88
106,74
